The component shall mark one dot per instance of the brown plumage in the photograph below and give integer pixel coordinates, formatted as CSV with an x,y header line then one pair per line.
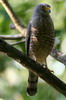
x,y
39,41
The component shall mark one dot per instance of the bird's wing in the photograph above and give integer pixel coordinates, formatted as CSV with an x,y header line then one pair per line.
x,y
28,38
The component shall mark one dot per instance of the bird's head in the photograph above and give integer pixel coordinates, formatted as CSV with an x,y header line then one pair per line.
x,y
43,9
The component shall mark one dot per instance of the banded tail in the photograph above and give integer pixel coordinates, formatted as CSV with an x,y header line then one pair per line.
x,y
32,84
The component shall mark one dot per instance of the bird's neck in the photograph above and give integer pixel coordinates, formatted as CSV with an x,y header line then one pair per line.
x,y
42,14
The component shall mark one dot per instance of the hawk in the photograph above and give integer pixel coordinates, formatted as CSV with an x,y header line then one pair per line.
x,y
39,41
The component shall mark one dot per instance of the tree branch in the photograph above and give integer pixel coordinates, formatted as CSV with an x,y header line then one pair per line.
x,y
19,26
54,53
33,66
11,37
26,61
59,56
19,42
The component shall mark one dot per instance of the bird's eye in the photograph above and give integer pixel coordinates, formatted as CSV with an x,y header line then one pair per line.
x,y
42,7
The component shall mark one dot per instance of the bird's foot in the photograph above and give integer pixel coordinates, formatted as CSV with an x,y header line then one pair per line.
x,y
45,66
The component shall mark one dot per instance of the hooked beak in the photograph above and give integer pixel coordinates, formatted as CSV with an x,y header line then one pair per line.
x,y
48,9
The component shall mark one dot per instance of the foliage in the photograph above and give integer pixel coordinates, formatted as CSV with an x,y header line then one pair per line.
x,y
13,78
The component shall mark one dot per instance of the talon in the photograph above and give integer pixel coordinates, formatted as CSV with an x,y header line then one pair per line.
x,y
45,66
51,70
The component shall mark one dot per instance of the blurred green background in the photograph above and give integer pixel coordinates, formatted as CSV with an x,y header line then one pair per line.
x,y
13,78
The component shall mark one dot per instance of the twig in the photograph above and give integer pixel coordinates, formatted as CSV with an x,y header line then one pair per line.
x,y
11,37
19,26
58,56
19,42
33,66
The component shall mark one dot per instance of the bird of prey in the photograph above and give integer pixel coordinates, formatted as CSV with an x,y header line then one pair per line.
x,y
39,41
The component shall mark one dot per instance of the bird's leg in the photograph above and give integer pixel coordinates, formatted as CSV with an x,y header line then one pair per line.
x,y
45,66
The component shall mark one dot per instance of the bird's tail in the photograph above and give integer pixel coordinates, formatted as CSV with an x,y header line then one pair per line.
x,y
32,84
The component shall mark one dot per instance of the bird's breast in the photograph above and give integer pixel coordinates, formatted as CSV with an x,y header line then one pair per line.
x,y
41,39
41,44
